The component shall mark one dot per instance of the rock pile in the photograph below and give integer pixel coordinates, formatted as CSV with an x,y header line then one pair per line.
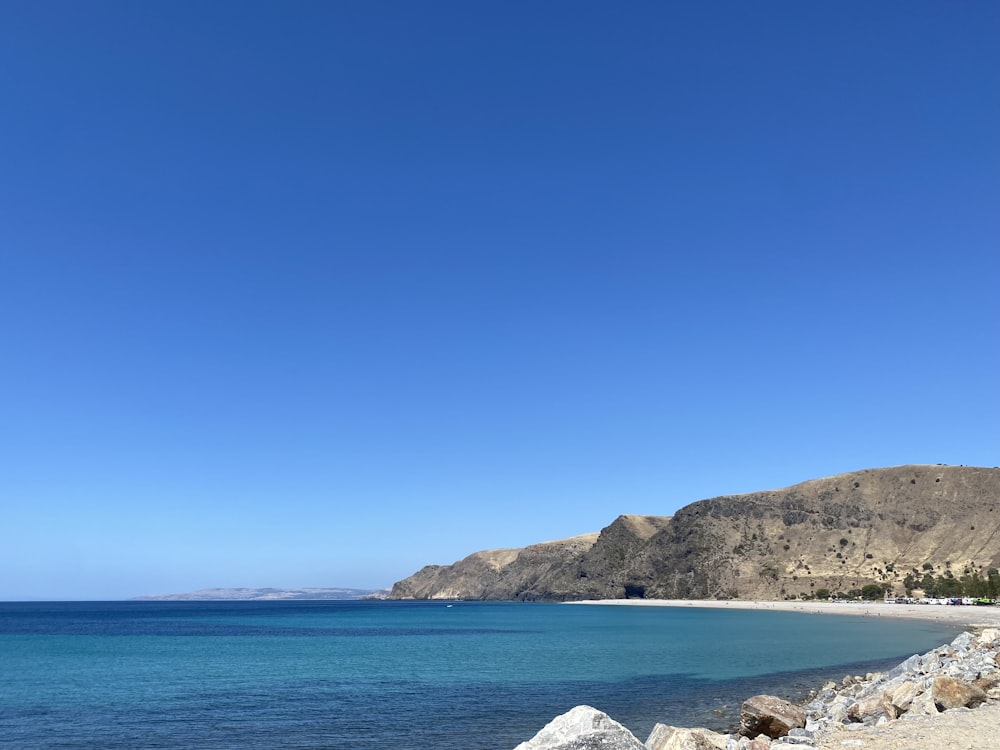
x,y
959,676
962,674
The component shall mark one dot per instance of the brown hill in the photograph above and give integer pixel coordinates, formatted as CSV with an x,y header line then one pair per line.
x,y
839,533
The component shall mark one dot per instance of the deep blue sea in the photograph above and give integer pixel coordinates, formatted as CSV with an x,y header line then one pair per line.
x,y
411,675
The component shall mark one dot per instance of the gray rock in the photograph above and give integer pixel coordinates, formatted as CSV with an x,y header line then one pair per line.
x,y
769,715
910,665
838,713
954,669
962,641
930,662
664,737
583,728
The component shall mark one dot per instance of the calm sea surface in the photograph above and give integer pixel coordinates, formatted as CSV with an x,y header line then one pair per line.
x,y
410,675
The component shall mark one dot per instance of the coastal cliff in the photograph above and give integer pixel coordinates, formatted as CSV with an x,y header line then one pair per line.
x,y
887,527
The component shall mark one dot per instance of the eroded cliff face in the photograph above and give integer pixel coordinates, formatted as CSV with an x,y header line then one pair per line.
x,y
498,574
839,533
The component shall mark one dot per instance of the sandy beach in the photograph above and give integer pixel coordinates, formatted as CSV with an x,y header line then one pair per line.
x,y
964,729
959,615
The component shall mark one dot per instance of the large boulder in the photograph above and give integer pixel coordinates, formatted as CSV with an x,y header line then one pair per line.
x,y
950,692
870,707
583,728
664,737
769,715
900,698
988,636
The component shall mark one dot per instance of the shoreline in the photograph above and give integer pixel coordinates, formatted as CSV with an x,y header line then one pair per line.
x,y
960,616
877,725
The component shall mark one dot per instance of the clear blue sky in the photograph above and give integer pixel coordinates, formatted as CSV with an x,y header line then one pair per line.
x,y
316,293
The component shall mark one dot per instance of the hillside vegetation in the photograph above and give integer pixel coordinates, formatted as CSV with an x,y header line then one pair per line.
x,y
897,528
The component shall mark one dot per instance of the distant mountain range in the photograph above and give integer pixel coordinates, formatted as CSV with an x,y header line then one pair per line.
x,y
838,534
267,594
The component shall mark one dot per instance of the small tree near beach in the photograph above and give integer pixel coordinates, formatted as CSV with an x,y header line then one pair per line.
x,y
872,591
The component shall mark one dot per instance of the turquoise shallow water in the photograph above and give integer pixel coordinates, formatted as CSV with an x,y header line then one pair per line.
x,y
418,675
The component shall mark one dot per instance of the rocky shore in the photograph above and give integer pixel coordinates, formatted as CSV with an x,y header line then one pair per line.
x,y
946,698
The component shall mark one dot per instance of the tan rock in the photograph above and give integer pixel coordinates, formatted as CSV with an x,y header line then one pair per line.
x,y
987,683
769,715
901,698
862,709
950,692
665,737
923,705
989,635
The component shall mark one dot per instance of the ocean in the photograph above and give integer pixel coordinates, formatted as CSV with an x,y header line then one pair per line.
x,y
413,675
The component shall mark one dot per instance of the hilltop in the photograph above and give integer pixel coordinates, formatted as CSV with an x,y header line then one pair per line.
x,y
890,527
